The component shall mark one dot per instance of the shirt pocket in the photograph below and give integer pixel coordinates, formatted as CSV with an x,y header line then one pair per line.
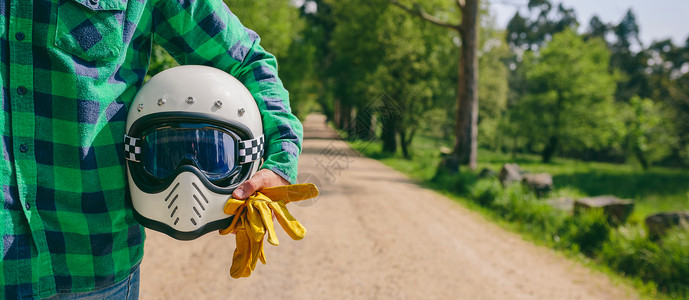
x,y
91,29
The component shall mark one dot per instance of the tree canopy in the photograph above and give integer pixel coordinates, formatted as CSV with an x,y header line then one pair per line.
x,y
388,69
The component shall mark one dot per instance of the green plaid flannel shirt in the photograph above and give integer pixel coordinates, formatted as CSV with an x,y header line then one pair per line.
x,y
70,69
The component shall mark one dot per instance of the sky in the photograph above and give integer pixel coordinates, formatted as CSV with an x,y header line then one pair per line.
x,y
658,20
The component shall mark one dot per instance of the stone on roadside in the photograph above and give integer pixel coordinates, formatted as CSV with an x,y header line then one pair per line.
x,y
616,209
449,164
541,183
510,173
487,173
658,224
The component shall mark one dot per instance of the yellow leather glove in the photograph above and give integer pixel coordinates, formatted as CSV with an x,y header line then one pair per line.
x,y
253,218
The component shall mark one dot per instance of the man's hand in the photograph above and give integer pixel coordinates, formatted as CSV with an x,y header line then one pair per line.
x,y
262,179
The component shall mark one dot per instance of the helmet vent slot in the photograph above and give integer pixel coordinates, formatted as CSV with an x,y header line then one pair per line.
x,y
170,194
176,221
199,202
174,211
200,193
196,211
193,221
173,201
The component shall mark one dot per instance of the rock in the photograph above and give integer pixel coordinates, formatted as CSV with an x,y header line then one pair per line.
x,y
562,203
487,173
445,151
449,164
541,183
616,209
658,224
510,173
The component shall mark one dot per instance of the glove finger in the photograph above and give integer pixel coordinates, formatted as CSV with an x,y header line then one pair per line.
x,y
293,228
262,255
291,193
267,217
241,258
255,223
233,226
256,252
232,205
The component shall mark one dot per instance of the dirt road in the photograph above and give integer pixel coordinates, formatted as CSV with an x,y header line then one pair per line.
x,y
372,234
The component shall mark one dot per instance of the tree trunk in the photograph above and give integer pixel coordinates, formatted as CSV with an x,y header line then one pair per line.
x,y
405,140
467,88
551,147
549,150
641,157
337,113
364,122
403,144
389,133
345,115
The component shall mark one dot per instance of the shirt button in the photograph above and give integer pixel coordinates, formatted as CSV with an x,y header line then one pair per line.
x,y
28,206
23,148
20,36
21,90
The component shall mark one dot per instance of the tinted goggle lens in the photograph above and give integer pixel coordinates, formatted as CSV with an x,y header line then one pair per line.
x,y
211,150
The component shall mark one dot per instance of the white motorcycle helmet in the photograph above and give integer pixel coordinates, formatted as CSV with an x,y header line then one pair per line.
x,y
194,133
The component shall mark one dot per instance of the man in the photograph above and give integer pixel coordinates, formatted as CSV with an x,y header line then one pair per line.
x,y
69,70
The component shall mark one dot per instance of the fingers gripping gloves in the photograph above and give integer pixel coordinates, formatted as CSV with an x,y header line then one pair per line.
x,y
253,218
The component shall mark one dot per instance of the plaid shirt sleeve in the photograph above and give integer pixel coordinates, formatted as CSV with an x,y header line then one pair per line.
x,y
69,70
207,33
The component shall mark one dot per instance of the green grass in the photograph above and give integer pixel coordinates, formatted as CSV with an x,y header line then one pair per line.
x,y
654,190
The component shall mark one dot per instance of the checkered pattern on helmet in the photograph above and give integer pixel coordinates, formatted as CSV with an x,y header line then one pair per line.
x,y
251,150
132,148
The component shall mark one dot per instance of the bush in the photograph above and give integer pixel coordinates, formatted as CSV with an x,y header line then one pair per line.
x,y
665,263
519,205
585,231
459,183
670,264
629,251
485,191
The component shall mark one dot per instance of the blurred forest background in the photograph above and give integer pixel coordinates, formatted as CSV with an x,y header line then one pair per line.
x,y
549,84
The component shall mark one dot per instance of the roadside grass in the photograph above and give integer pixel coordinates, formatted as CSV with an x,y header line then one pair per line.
x,y
655,271
654,190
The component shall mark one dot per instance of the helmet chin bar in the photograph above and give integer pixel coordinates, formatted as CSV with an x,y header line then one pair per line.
x,y
185,210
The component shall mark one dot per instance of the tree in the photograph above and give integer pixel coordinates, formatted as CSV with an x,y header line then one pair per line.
x,y
282,30
570,100
630,63
649,135
277,22
525,34
597,28
320,24
356,53
466,132
392,70
667,72
493,84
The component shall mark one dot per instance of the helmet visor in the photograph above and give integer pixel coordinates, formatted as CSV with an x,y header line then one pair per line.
x,y
211,150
